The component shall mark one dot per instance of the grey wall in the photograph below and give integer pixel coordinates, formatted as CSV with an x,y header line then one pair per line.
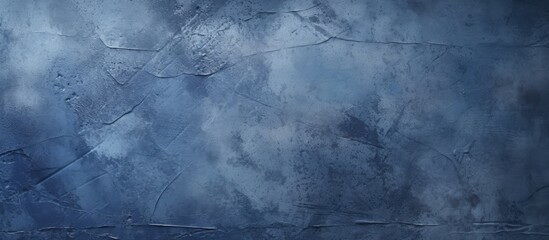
x,y
331,119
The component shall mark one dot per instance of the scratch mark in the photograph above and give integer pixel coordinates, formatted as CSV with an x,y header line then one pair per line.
x,y
18,151
73,228
363,142
253,99
58,204
59,34
317,226
126,48
100,39
440,55
113,78
175,226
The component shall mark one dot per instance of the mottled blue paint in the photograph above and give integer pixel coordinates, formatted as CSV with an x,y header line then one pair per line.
x,y
330,119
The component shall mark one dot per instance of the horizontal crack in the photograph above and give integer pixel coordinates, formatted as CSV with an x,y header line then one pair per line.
x,y
367,222
474,45
522,228
337,38
280,12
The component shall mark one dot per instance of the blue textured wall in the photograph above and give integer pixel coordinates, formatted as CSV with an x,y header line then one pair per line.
x,y
330,119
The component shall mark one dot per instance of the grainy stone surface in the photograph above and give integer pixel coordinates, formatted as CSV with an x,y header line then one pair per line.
x,y
330,119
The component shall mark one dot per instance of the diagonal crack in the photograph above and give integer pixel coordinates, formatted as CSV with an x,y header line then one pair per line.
x,y
125,113
19,149
535,192
452,162
56,172
178,134
164,190
394,127
84,184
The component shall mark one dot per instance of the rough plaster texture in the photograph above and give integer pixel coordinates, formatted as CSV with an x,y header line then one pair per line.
x,y
330,119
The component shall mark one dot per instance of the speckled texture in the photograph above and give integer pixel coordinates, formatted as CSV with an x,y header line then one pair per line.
x,y
274,119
